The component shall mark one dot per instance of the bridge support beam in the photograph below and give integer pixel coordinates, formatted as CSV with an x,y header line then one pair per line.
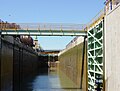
x,y
45,32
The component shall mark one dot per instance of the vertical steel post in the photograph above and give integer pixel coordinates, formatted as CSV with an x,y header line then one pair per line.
x,y
82,71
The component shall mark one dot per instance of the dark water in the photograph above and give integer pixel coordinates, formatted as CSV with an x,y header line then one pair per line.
x,y
48,80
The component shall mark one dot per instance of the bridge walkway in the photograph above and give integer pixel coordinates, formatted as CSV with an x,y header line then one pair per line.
x,y
43,29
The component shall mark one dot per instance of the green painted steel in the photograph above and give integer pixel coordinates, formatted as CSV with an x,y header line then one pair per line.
x,y
45,32
95,54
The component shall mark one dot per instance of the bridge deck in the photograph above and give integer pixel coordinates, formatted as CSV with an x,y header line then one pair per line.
x,y
43,29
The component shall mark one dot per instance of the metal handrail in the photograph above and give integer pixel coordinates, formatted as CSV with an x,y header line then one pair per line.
x,y
41,26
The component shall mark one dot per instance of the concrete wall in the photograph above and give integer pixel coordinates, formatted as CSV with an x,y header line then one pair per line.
x,y
43,62
71,64
17,61
112,50
25,64
6,66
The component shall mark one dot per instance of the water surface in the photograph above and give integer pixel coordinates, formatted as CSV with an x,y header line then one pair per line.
x,y
51,80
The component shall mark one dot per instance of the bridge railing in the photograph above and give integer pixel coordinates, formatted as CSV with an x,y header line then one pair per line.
x,y
51,26
40,26
99,16
6,25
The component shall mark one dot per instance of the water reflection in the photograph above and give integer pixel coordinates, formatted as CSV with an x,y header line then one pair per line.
x,y
49,80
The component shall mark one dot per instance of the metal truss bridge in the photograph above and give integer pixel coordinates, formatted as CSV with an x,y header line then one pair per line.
x,y
42,29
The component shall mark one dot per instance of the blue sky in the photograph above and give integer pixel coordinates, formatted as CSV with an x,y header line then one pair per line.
x,y
50,11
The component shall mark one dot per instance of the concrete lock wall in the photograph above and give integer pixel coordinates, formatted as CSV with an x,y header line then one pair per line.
x,y
25,64
17,61
43,62
6,66
112,50
71,65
